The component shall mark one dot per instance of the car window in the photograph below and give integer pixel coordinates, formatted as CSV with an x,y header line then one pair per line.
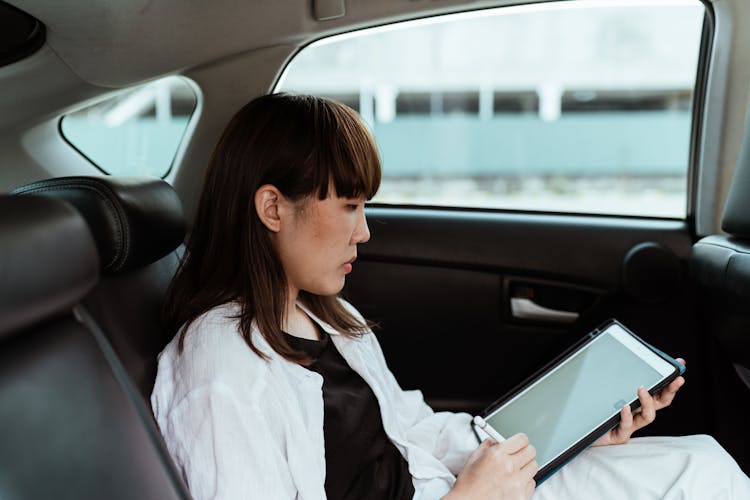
x,y
582,107
136,132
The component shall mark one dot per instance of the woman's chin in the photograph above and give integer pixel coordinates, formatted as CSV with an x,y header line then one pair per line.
x,y
327,289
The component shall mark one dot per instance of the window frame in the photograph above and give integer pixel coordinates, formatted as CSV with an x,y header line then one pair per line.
x,y
184,139
693,172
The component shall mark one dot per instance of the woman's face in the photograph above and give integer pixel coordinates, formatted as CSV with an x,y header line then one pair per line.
x,y
317,242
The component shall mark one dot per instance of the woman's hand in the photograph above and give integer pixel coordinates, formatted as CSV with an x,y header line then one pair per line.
x,y
500,471
629,423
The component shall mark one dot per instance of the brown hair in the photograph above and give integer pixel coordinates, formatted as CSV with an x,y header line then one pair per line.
x,y
301,145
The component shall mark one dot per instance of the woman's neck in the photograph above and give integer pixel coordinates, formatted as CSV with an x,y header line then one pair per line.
x,y
298,323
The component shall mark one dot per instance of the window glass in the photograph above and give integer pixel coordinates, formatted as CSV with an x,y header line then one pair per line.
x,y
136,132
581,107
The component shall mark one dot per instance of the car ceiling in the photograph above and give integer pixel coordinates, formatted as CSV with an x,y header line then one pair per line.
x,y
112,43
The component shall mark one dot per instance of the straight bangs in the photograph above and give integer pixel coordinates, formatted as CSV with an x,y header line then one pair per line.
x,y
348,158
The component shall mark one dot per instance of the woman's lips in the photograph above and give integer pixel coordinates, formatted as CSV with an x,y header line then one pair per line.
x,y
348,265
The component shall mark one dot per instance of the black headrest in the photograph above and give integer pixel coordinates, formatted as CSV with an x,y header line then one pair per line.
x,y
135,220
48,260
736,220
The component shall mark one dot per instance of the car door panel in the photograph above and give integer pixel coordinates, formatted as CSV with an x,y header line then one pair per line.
x,y
439,283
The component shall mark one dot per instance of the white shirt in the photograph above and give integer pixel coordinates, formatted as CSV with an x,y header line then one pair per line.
x,y
240,427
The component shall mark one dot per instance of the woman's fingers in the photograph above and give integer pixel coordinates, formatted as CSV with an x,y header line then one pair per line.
x,y
626,417
648,409
622,432
665,397
487,443
524,456
515,443
629,423
530,488
529,470
493,472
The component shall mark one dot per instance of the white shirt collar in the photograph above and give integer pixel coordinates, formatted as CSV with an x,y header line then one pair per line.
x,y
325,326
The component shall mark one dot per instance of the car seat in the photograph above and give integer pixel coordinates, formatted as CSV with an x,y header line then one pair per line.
x,y
70,427
720,266
138,224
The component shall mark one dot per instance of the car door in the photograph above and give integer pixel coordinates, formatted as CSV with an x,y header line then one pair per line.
x,y
536,168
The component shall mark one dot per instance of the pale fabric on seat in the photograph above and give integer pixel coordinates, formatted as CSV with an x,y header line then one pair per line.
x,y
669,468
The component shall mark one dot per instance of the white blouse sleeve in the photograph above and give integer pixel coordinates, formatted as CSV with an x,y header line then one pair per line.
x,y
225,448
445,435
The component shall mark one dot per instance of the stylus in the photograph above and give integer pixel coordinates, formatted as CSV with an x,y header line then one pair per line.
x,y
479,421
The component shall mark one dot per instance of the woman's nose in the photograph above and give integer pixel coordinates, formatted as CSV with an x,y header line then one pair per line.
x,y
362,231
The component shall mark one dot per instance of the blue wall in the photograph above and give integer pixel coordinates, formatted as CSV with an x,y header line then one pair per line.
x,y
595,143
606,143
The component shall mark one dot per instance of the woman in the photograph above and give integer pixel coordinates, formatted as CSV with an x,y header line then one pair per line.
x,y
275,388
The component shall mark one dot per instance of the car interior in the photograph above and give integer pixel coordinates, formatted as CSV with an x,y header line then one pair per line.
x,y
468,300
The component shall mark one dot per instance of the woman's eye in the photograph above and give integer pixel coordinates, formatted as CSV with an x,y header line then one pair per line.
x,y
352,206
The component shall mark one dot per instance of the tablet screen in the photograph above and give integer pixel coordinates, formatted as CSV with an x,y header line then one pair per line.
x,y
581,393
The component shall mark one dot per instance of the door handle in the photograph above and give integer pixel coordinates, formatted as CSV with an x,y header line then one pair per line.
x,y
524,308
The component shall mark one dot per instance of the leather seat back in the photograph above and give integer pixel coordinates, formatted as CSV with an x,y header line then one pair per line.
x,y
70,427
138,224
720,265
720,268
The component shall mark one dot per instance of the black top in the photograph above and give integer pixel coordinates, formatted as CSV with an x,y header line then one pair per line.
x,y
361,462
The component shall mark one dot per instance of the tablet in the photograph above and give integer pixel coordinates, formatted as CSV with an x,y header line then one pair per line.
x,y
568,404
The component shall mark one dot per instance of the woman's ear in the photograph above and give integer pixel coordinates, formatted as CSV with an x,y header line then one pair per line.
x,y
268,202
